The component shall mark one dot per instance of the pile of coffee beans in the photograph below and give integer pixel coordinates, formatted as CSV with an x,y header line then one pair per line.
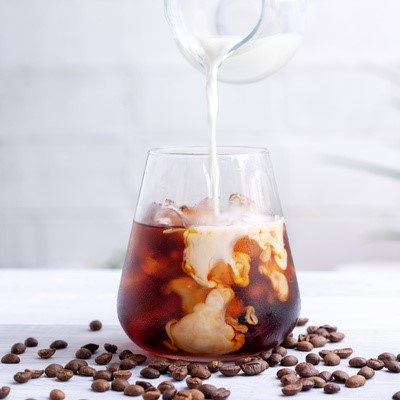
x,y
112,369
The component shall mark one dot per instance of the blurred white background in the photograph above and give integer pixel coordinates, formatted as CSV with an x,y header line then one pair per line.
x,y
88,86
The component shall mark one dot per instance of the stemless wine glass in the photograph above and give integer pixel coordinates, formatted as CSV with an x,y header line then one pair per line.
x,y
200,283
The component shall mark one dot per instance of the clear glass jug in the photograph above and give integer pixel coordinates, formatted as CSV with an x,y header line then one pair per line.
x,y
258,36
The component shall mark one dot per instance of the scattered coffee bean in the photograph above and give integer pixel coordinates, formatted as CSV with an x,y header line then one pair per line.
x,y
83,353
103,359
325,375
103,374
265,354
151,395
133,390
59,344
201,372
289,361
45,353
355,381
332,359
344,353
386,357
139,358
323,353
64,375
289,379
52,369
57,394
74,365
229,370
304,346
305,370
292,389
340,376
215,365
313,358
169,394
119,384
312,329
357,362
95,325
336,336
165,385
301,321
254,367
85,370
280,350
393,366
125,354
220,394
100,385
331,388
92,347
196,394
110,348
149,373
375,364
306,384
366,372
4,391
192,383
160,364
31,342
10,359
319,382
128,363
145,385
290,342
22,377
284,371
18,348
180,373
319,341
124,374
274,359
396,396
322,332
115,366
36,373
207,389
245,360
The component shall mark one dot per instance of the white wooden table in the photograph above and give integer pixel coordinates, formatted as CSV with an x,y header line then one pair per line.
x,y
59,304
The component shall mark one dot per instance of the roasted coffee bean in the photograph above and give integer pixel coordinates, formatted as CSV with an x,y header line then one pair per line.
x,y
292,389
18,348
22,377
92,347
138,358
331,388
254,367
304,346
115,366
229,370
51,370
284,371
319,341
145,385
323,353
57,394
220,394
280,350
64,375
274,359
169,394
322,332
245,360
393,366
313,358
207,389
336,336
4,391
325,375
312,329
128,363
340,376
306,384
59,344
124,374
35,373
332,359
366,372
215,365
193,383
265,354
355,381
150,373
193,365
119,384
344,353
103,374
103,359
357,362
125,354
375,364
100,385
319,382
110,348
386,357
45,353
151,395
160,364
301,321
289,361
179,373
133,390
196,394
31,342
10,359
86,371
201,372
396,396
183,395
83,353
163,386
74,365
95,325
289,379
305,370
290,342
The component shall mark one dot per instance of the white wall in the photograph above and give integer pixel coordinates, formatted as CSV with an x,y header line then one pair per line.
x,y
87,86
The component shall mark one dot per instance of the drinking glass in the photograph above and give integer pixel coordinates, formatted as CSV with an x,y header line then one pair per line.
x,y
200,283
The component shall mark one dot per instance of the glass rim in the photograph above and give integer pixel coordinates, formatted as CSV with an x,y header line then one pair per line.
x,y
203,151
